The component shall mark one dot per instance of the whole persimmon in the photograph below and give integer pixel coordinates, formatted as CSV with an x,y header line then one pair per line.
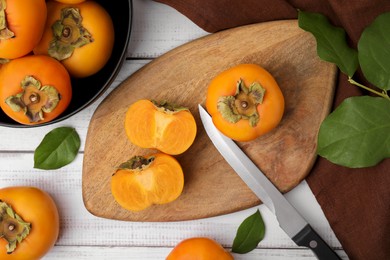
x,y
22,26
81,36
146,180
245,102
29,223
34,89
160,125
199,248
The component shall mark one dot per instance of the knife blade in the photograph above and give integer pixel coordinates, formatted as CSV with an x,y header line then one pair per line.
x,y
295,226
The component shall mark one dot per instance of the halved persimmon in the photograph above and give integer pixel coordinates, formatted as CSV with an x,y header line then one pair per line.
x,y
245,102
168,128
146,180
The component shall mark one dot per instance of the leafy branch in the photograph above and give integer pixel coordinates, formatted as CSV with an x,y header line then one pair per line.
x,y
382,94
355,134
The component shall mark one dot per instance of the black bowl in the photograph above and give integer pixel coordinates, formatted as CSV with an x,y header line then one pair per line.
x,y
89,89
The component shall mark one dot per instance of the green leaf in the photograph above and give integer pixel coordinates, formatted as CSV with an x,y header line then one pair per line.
x,y
356,134
331,42
57,149
249,234
374,52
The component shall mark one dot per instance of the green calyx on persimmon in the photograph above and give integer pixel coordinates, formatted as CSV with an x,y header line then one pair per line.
x,y
137,163
5,33
12,227
167,107
243,105
68,34
34,99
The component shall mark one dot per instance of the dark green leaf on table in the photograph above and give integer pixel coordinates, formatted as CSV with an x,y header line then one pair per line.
x,y
356,134
374,52
57,149
331,42
249,234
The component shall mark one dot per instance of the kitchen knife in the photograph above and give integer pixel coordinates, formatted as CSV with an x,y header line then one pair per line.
x,y
295,226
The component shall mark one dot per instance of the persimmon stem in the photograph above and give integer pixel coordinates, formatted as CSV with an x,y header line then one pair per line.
x,y
382,94
11,227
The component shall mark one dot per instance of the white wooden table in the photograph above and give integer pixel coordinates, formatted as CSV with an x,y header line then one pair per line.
x,y
156,29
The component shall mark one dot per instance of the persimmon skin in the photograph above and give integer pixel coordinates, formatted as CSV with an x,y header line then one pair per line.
x,y
270,111
45,69
90,58
199,248
70,1
37,207
147,127
27,20
160,183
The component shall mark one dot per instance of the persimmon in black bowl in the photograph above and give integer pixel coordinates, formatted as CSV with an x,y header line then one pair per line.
x,y
87,89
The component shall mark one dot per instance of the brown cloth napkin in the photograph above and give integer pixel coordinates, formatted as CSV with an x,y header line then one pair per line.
x,y
356,202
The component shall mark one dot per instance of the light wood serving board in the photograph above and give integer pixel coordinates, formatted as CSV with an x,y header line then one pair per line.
x,y
212,188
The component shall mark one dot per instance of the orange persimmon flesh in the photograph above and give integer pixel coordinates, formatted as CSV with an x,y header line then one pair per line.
x,y
155,179
148,125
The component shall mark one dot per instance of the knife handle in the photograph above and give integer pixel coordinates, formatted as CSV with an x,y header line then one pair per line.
x,y
307,237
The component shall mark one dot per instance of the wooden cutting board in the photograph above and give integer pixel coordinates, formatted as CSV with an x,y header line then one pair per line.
x,y
212,188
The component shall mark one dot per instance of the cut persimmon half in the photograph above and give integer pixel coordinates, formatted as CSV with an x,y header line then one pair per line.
x,y
160,125
144,181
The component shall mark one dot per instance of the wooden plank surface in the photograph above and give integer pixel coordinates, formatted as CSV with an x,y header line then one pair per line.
x,y
153,253
181,76
157,28
79,228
